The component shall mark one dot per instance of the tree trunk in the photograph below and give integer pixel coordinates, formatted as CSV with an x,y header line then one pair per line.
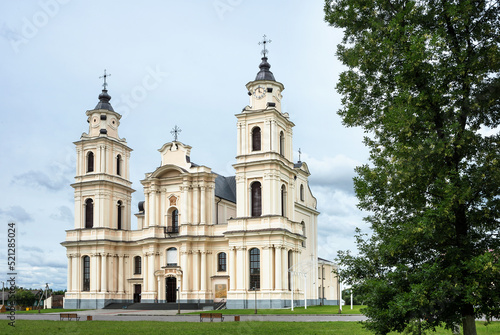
x,y
469,325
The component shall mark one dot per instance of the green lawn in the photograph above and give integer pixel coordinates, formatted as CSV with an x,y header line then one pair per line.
x,y
216,328
296,310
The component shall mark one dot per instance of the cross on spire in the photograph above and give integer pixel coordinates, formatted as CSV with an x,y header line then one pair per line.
x,y
175,132
105,84
300,153
264,42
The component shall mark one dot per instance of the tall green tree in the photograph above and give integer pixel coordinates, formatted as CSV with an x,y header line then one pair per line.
x,y
23,298
423,81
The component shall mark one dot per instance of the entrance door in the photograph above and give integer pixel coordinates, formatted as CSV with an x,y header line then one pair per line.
x,y
171,289
137,293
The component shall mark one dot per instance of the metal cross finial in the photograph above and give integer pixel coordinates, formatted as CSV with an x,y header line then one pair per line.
x,y
300,152
175,131
105,84
264,42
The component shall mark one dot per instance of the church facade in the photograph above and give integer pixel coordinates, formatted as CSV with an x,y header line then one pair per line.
x,y
201,237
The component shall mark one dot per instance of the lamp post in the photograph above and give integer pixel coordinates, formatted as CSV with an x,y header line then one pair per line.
x,y
255,290
178,300
3,296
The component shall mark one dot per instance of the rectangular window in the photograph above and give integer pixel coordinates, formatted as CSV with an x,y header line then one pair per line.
x,y
222,262
255,269
86,273
137,265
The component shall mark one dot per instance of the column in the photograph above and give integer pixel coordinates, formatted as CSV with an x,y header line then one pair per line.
x,y
196,271
203,271
93,273
157,296
152,206
185,205
188,210
79,162
145,273
104,273
162,209
99,274
278,279
151,272
103,160
146,209
70,272
240,276
202,204
97,159
184,268
245,133
157,207
196,202
115,274
79,273
76,272
284,266
232,269
121,278
265,267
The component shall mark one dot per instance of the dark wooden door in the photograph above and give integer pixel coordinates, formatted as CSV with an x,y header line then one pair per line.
x,y
137,293
171,289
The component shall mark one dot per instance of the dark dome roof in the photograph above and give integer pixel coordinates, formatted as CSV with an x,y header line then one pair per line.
x,y
104,98
264,73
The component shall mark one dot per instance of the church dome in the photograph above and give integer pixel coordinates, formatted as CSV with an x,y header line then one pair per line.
x,y
104,98
264,73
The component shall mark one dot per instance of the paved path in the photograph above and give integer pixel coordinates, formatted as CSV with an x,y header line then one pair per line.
x,y
170,316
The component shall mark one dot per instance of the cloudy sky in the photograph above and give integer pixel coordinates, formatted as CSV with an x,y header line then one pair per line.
x,y
181,63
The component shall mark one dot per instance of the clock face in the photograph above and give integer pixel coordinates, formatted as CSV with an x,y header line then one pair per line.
x,y
259,92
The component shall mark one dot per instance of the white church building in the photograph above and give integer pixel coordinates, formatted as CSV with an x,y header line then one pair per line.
x,y
201,237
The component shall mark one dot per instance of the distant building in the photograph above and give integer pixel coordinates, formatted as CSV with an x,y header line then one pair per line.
x,y
214,238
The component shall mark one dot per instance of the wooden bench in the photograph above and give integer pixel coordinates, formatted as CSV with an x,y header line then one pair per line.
x,y
69,316
211,316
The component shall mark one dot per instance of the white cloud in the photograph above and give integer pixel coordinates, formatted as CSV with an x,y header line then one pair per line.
x,y
336,171
16,214
64,213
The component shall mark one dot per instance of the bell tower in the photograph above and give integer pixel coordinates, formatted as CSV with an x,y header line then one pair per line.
x,y
102,185
265,154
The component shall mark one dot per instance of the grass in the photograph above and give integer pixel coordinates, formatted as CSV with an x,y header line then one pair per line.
x,y
296,310
216,328
53,310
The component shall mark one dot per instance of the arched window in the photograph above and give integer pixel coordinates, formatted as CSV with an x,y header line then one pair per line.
x,y
256,139
86,273
301,192
118,165
303,233
89,213
254,269
221,261
282,143
283,200
173,224
90,162
172,257
290,264
119,215
256,199
137,265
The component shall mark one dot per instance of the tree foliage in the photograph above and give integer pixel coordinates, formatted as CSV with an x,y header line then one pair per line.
x,y
423,81
356,298
23,298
